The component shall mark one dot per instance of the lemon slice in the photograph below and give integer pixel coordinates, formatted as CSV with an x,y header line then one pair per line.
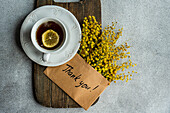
x,y
50,38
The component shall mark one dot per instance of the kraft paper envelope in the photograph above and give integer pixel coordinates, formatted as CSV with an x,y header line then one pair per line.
x,y
79,80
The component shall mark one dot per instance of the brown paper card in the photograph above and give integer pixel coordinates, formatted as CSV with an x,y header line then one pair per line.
x,y
79,80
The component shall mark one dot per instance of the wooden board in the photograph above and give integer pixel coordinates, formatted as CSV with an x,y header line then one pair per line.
x,y
45,91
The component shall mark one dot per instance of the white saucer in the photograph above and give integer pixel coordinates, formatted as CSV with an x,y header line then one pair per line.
x,y
74,35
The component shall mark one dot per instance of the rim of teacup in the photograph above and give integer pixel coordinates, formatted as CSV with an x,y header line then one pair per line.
x,y
36,26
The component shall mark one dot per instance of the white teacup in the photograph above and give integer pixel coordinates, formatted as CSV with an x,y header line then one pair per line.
x,y
46,52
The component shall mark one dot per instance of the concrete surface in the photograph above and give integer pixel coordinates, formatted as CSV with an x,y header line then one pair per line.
x,y
147,27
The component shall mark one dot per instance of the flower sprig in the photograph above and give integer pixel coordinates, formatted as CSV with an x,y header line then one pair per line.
x,y
99,50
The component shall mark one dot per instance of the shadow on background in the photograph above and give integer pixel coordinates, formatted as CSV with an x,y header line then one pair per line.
x,y
17,34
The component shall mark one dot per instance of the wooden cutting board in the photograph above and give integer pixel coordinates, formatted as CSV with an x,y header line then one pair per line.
x,y
46,92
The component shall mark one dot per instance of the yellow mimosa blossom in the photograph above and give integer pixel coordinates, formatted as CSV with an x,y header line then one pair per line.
x,y
99,50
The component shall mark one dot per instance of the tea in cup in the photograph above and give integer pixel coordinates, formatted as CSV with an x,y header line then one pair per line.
x,y
48,35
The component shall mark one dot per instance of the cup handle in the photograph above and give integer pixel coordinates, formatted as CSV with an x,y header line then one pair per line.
x,y
46,57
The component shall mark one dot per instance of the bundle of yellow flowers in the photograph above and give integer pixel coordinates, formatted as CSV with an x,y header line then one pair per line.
x,y
99,50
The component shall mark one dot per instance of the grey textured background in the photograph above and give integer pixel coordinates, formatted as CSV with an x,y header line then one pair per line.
x,y
147,27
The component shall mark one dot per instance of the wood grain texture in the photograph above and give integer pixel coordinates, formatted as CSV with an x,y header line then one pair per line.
x,y
46,92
